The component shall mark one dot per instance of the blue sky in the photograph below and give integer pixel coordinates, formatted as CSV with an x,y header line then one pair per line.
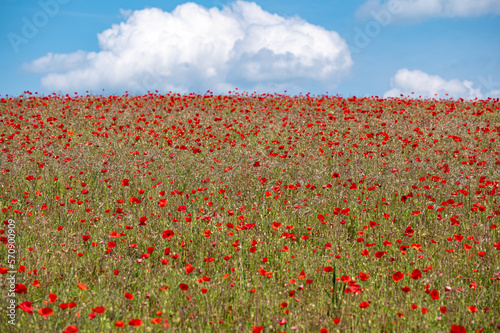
x,y
349,48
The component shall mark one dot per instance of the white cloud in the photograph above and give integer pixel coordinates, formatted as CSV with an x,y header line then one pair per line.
x,y
416,10
126,13
58,62
195,49
406,82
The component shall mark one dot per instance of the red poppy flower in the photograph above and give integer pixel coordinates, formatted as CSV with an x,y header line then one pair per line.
x,y
424,310
167,233
135,322
52,298
134,200
379,254
20,289
129,296
26,307
406,289
125,182
99,309
398,276
82,286
443,309
364,305
119,323
155,321
44,312
472,308
409,230
434,294
188,268
416,274
327,269
345,278
457,329
183,286
162,202
336,321
70,329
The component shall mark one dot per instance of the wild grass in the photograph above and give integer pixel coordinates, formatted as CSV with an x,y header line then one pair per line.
x,y
252,213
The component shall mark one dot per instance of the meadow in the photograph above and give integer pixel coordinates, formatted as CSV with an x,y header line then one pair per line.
x,y
249,213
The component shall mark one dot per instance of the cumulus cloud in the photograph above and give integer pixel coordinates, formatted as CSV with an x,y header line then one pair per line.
x,y
195,49
406,82
416,10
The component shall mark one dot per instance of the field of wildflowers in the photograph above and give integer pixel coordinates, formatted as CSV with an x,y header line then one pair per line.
x,y
249,213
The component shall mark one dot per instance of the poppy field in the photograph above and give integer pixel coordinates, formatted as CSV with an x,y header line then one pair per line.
x,y
249,213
